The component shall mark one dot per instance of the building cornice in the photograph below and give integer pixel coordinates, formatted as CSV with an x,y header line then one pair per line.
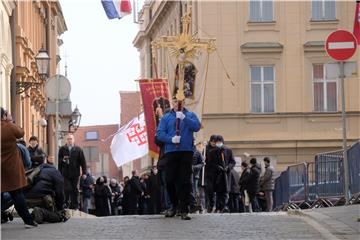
x,y
276,115
314,46
256,47
154,20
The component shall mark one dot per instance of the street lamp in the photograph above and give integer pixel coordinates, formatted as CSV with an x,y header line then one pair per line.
x,y
42,62
74,123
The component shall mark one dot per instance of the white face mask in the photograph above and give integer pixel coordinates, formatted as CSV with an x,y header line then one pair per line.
x,y
219,144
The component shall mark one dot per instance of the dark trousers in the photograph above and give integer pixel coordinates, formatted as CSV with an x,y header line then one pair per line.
x,y
44,215
210,196
71,192
221,200
234,199
165,199
20,205
178,179
133,206
254,202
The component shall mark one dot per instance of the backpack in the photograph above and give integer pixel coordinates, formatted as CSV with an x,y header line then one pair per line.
x,y
32,176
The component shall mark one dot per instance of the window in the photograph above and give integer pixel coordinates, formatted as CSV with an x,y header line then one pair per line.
x,y
261,11
93,135
323,10
91,154
262,89
325,90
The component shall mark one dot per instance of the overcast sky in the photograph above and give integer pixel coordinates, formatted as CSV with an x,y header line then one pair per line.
x,y
101,60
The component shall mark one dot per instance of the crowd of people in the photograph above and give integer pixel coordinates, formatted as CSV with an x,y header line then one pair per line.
x,y
188,177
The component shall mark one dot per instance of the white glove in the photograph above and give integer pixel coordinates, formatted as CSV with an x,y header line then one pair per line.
x,y
180,115
175,139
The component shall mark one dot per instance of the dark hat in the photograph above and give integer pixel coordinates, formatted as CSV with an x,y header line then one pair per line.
x,y
33,138
213,138
219,138
253,161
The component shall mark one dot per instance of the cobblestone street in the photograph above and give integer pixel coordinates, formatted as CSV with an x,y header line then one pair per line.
x,y
215,226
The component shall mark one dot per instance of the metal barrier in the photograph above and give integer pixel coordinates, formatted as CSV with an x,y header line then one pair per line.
x,y
319,183
329,177
297,182
354,168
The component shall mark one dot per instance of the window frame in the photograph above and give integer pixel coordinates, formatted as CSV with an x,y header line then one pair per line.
x,y
322,19
325,81
92,139
262,83
261,12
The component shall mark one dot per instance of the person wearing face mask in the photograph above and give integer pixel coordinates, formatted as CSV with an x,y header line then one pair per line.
x,y
222,157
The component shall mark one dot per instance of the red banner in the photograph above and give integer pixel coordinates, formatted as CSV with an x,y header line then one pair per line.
x,y
156,101
357,22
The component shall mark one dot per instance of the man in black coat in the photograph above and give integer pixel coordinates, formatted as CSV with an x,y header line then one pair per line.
x,y
46,196
244,177
155,193
222,158
253,184
71,158
210,172
197,165
161,167
135,192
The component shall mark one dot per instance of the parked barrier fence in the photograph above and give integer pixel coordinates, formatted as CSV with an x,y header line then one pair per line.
x,y
319,183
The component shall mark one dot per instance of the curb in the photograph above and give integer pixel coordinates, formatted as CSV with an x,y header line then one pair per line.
x,y
325,233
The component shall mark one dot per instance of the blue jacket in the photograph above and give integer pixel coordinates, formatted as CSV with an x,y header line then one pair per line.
x,y
167,129
25,155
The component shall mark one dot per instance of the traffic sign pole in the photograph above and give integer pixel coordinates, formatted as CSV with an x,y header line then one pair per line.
x,y
341,45
343,119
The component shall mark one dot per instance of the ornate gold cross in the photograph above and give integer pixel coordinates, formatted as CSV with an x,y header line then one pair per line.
x,y
183,47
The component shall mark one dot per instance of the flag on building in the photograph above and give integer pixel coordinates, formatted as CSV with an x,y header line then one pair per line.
x,y
116,8
357,22
156,101
130,142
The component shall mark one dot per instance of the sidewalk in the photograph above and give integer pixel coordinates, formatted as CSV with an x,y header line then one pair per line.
x,y
342,221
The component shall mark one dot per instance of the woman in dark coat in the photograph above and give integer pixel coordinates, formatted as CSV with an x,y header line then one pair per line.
x,y
102,197
12,168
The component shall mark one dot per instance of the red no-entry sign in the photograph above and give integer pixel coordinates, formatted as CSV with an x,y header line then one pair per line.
x,y
341,45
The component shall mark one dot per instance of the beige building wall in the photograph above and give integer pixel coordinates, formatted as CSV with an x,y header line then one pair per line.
x,y
6,65
292,43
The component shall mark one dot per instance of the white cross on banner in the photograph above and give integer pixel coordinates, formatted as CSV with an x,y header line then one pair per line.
x,y
130,142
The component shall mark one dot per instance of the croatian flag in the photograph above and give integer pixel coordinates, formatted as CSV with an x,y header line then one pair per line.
x,y
116,8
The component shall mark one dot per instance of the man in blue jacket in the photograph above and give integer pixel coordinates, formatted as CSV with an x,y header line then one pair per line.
x,y
179,150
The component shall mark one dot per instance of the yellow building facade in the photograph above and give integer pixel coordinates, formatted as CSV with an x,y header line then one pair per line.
x,y
38,24
284,104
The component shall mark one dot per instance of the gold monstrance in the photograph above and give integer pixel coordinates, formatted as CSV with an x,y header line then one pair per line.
x,y
183,47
